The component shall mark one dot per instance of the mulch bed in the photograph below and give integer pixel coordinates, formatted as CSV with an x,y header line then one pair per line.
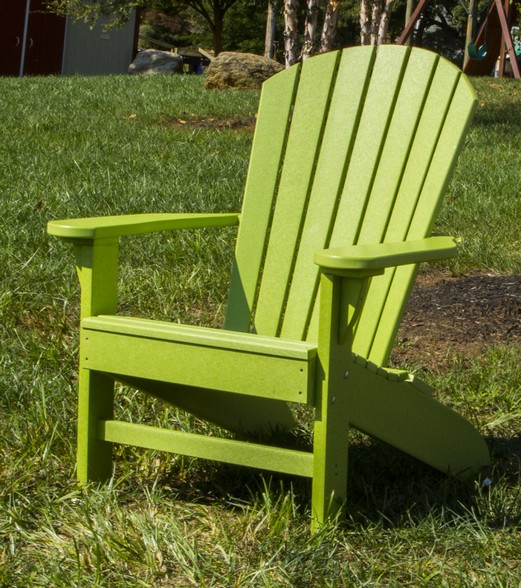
x,y
459,314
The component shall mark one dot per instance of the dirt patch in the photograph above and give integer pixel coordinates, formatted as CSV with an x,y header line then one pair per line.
x,y
458,314
246,122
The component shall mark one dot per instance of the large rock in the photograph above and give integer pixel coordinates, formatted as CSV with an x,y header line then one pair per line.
x,y
240,70
152,61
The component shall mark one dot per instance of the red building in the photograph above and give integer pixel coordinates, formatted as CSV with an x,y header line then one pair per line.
x,y
35,42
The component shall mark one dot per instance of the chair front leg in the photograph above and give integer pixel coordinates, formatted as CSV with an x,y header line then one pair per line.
x,y
95,403
97,266
331,410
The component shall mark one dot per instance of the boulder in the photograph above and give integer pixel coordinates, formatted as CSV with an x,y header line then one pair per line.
x,y
152,61
239,70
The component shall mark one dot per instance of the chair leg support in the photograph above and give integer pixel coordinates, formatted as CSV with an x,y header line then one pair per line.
x,y
96,402
330,466
408,419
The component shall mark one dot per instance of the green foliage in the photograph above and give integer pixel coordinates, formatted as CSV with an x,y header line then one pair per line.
x,y
189,22
210,14
90,146
177,29
245,27
172,21
114,12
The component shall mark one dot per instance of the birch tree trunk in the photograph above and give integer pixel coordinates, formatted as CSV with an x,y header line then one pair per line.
x,y
290,32
271,28
330,25
310,28
365,23
375,21
384,21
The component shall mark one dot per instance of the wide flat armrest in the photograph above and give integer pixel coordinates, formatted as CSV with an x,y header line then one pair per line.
x,y
104,227
375,258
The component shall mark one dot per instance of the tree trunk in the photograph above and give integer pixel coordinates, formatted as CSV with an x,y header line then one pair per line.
x,y
330,25
375,21
384,21
290,32
217,36
271,28
310,28
471,29
365,23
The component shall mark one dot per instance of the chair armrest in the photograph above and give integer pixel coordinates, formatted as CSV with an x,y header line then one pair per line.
x,y
96,247
136,224
373,259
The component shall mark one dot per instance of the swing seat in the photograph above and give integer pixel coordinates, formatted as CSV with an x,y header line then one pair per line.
x,y
516,40
477,53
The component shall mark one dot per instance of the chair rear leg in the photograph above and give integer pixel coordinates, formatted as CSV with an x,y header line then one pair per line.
x,y
404,416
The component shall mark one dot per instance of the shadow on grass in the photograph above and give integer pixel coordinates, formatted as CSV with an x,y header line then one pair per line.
x,y
386,483
385,487
506,457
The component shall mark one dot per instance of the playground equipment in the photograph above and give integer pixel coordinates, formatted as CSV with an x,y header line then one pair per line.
x,y
496,33
493,49
474,51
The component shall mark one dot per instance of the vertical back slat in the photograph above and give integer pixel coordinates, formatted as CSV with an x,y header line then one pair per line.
x,y
339,135
299,165
450,106
273,118
388,71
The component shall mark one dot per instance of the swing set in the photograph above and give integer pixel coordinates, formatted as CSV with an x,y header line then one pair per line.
x,y
493,46
474,51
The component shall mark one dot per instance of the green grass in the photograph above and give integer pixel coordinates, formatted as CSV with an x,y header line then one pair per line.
x,y
483,204
74,147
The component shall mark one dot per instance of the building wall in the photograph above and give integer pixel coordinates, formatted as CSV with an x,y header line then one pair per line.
x,y
31,40
97,52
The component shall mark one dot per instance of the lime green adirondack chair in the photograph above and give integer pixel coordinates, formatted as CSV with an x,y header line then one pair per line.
x,y
351,156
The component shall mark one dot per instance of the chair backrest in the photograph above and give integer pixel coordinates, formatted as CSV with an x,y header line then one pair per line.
x,y
351,147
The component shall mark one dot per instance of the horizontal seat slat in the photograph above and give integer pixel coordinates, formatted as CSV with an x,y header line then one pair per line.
x,y
209,337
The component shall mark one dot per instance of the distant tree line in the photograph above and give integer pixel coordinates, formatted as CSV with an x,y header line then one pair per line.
x,y
287,30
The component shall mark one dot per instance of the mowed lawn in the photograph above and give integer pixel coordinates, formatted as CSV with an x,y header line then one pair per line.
x,y
93,146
